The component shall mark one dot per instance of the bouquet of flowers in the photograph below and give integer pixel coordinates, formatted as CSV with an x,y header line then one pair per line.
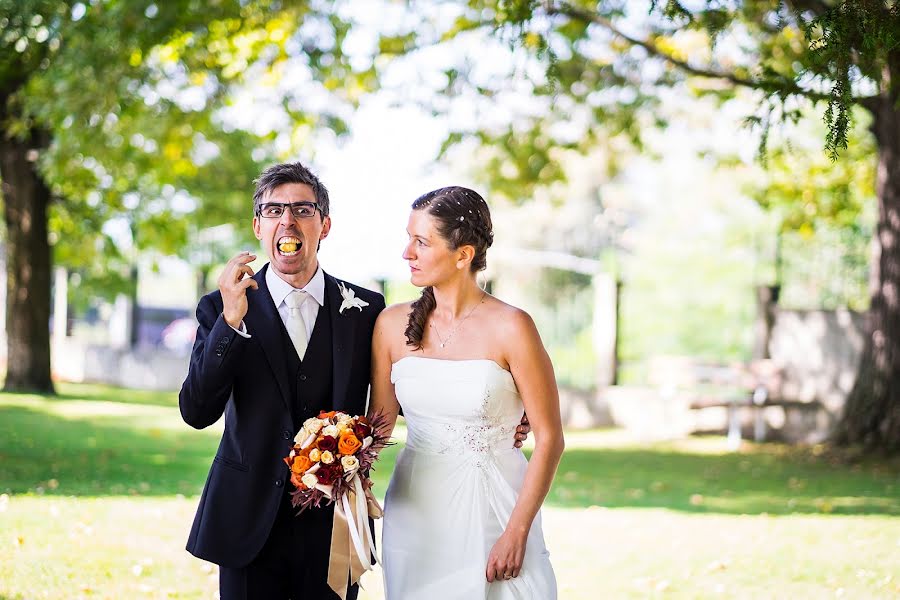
x,y
330,463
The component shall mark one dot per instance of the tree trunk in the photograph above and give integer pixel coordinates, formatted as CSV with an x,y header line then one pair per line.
x,y
26,198
871,416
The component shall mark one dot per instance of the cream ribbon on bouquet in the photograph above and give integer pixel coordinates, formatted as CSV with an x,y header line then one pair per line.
x,y
352,546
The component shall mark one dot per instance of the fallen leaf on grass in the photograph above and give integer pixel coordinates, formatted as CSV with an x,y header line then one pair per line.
x,y
718,565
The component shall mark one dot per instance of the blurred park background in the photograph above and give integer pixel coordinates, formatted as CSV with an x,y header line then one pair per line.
x,y
697,201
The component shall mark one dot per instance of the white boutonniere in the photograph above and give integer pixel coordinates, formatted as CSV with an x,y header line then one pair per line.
x,y
350,299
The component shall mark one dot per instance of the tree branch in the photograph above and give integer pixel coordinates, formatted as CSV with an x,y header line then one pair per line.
x,y
816,7
785,86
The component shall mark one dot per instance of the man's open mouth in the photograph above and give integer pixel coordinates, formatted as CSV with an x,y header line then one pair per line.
x,y
288,245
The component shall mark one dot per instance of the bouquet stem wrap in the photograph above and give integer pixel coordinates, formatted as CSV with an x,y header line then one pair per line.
x,y
352,546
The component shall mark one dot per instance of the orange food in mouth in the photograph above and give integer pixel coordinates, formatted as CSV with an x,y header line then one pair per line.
x,y
289,245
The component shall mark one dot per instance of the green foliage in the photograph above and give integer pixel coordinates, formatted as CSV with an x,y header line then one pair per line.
x,y
134,99
806,189
596,69
824,213
852,38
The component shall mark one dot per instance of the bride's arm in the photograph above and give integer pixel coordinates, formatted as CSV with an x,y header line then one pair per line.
x,y
382,397
531,368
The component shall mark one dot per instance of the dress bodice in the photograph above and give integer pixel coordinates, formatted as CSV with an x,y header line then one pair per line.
x,y
457,406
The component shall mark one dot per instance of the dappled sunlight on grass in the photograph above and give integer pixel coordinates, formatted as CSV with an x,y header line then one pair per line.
x,y
64,547
626,518
759,481
99,392
99,447
78,447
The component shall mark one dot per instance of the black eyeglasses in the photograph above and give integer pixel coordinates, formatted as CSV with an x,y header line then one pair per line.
x,y
300,210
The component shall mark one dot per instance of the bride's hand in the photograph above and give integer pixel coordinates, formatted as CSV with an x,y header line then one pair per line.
x,y
505,559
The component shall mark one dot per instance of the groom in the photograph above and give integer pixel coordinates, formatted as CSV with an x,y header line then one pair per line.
x,y
273,349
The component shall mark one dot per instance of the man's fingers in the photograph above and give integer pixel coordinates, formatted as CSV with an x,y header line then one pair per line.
x,y
246,283
241,271
241,258
236,268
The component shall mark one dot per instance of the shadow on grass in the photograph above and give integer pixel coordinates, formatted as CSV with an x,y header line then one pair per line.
x,y
105,393
46,453
67,392
99,454
767,479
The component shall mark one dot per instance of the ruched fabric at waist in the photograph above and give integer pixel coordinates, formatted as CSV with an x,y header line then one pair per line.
x,y
456,440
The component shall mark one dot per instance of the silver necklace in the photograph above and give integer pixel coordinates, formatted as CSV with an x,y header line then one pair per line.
x,y
444,342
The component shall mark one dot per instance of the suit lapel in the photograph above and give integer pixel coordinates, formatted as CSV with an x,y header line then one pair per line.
x,y
342,327
262,320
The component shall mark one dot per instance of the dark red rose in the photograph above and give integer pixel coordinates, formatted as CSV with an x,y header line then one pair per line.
x,y
361,430
328,474
327,442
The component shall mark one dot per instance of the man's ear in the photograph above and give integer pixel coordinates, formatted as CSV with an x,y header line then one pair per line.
x,y
326,228
256,231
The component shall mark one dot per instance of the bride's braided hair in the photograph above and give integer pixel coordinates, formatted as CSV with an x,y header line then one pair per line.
x,y
462,219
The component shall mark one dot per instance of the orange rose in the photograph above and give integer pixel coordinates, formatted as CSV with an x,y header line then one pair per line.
x,y
301,464
327,415
348,443
295,479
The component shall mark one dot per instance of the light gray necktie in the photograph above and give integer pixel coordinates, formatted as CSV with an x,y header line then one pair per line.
x,y
296,328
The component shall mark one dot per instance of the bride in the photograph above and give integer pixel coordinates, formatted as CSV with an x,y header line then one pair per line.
x,y
461,518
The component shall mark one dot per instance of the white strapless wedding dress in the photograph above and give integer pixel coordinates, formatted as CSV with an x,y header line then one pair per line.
x,y
455,485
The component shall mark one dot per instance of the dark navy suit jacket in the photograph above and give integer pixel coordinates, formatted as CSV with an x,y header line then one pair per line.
x,y
247,380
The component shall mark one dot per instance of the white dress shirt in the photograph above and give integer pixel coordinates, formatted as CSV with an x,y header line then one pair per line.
x,y
279,289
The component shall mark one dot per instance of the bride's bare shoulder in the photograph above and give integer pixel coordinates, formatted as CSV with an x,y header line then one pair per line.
x,y
394,314
511,320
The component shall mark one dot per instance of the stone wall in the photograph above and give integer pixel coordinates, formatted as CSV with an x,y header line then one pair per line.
x,y
147,369
818,352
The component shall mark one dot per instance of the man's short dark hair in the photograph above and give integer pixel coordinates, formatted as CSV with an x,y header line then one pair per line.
x,y
280,174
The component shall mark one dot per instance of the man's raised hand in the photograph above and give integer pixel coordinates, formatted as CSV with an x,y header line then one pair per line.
x,y
233,283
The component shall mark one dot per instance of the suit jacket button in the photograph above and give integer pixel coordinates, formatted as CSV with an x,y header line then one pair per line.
x,y
278,483
302,377
286,434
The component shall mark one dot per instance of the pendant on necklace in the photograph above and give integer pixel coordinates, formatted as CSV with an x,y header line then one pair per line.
x,y
442,345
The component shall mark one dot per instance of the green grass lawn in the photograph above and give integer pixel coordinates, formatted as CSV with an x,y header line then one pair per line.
x,y
99,486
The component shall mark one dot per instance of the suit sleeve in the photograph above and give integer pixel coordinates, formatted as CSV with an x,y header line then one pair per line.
x,y
215,362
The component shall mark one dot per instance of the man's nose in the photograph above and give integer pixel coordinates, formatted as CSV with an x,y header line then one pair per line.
x,y
287,217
